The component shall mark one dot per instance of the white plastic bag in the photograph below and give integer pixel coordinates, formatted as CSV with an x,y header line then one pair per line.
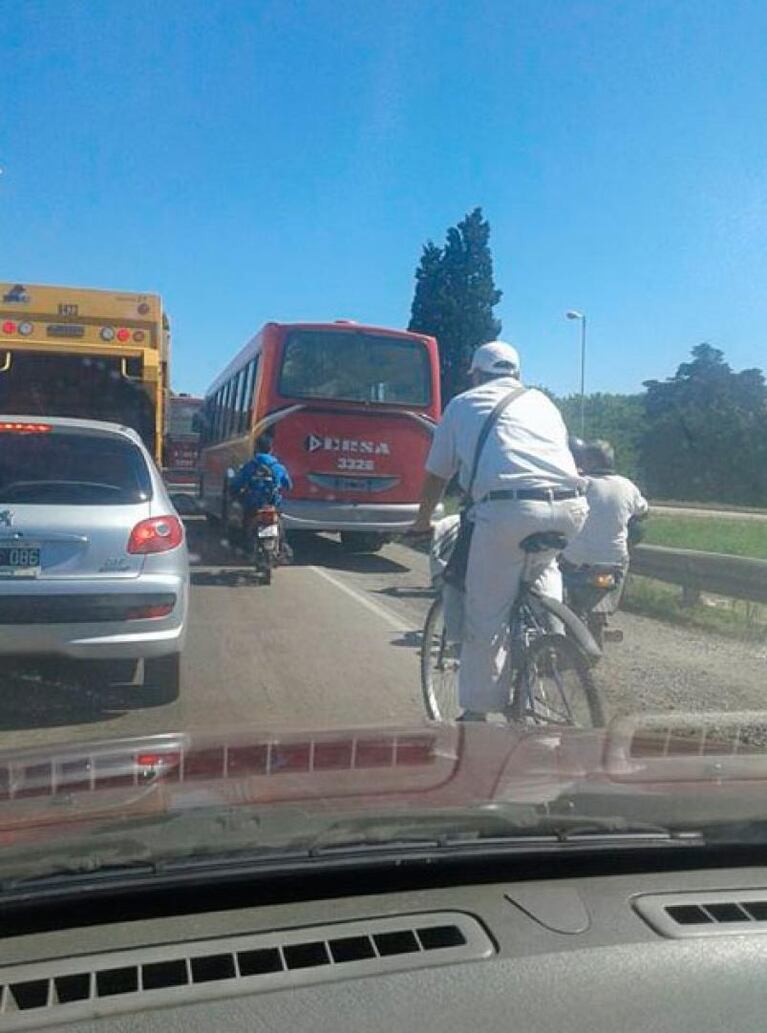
x,y
444,536
443,542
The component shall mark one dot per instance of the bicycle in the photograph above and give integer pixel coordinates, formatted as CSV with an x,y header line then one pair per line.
x,y
549,672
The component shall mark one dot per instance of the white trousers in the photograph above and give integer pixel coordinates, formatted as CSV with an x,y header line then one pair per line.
x,y
492,582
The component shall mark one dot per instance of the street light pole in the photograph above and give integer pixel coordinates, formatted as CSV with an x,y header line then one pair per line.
x,y
573,314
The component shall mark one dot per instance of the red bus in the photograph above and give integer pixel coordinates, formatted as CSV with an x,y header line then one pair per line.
x,y
181,450
352,409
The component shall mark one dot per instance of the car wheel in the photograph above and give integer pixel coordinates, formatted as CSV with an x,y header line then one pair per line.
x,y
162,678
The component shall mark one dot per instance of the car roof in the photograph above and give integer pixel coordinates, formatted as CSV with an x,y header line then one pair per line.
x,y
101,426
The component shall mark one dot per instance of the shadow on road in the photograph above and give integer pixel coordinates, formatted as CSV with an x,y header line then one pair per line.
x,y
320,551
410,639
406,592
228,577
39,695
208,548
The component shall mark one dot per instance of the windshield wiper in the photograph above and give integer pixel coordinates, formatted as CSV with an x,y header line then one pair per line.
x,y
223,842
514,827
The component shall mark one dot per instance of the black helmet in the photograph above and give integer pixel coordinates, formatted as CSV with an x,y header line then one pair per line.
x,y
597,457
264,442
577,446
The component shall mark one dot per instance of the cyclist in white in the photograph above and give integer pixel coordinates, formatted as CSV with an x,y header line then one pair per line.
x,y
613,502
526,482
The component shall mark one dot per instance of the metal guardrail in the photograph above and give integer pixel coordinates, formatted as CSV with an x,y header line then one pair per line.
x,y
736,577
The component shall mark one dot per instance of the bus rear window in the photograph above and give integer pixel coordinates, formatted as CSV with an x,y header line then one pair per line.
x,y
355,367
71,469
86,387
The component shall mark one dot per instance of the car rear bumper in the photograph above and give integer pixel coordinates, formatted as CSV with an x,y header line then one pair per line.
x,y
92,619
348,516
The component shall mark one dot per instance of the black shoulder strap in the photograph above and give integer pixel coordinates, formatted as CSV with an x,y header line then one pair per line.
x,y
487,426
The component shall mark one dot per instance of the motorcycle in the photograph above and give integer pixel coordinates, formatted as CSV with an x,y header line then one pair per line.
x,y
257,532
264,540
593,593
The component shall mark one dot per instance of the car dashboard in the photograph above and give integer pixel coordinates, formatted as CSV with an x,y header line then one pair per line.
x,y
673,950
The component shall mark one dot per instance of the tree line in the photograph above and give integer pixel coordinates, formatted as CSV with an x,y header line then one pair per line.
x,y
699,435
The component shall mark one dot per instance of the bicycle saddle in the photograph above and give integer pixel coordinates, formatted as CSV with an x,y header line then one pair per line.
x,y
544,541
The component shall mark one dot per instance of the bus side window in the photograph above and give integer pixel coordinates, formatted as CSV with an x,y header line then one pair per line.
x,y
219,414
227,410
207,429
237,406
247,400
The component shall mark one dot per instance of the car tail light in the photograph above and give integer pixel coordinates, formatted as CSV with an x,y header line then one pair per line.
x,y
157,534
140,613
266,516
153,764
25,428
9,327
123,334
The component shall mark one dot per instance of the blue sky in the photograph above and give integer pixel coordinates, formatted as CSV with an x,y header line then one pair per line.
x,y
286,160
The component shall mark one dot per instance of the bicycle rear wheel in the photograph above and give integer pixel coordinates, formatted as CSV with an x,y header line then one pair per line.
x,y
555,686
440,660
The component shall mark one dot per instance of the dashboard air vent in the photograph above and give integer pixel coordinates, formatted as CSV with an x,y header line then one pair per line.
x,y
683,915
66,989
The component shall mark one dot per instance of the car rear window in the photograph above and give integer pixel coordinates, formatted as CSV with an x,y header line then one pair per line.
x,y
71,468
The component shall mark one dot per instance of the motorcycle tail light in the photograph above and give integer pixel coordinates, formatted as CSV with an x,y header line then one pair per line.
x,y
266,516
603,581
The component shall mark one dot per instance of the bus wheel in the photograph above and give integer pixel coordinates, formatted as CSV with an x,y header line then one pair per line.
x,y
362,541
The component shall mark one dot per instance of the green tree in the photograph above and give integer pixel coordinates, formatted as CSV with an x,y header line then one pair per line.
x,y
706,432
454,298
619,419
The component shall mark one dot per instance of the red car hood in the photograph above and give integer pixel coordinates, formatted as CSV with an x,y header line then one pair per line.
x,y
428,767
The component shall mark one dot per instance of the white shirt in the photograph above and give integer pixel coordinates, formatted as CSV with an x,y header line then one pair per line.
x,y
527,447
612,500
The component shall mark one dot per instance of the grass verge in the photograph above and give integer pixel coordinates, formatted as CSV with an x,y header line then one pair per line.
x,y
709,534
732,618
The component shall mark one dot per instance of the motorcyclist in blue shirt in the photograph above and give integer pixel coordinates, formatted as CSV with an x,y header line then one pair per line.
x,y
261,481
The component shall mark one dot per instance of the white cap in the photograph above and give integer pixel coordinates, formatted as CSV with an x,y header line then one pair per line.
x,y
497,357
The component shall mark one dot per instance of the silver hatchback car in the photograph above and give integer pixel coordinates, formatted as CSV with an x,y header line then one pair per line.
x,y
93,558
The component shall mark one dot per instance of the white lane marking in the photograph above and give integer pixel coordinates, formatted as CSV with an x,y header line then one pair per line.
x,y
385,614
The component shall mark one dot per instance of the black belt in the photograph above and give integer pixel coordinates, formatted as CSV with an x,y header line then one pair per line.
x,y
533,494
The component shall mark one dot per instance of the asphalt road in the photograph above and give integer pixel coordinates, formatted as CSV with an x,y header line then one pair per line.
x,y
333,642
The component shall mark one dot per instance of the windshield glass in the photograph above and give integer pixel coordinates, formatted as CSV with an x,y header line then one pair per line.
x,y
88,387
405,364
71,469
354,367
182,418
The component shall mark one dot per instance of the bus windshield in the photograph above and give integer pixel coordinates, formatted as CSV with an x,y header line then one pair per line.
x,y
183,414
355,367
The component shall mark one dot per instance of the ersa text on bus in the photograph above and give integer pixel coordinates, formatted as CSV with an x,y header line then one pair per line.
x,y
314,443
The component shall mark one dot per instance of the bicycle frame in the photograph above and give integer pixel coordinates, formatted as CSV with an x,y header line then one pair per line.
x,y
531,616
